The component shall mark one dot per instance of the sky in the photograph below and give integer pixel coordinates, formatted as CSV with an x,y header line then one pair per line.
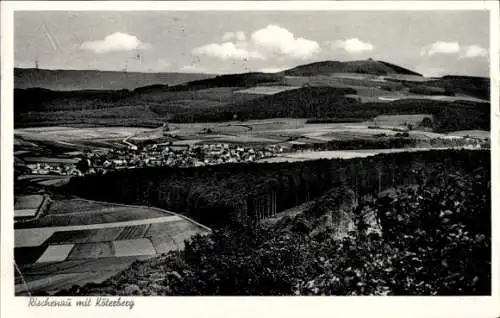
x,y
433,43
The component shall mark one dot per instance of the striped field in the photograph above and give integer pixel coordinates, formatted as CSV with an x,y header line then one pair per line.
x,y
88,243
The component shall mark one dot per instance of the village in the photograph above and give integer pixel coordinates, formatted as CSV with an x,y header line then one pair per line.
x,y
156,155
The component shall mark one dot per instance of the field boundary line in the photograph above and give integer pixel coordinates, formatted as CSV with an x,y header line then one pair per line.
x,y
184,217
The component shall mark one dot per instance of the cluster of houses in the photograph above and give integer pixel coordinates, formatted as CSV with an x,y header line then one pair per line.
x,y
52,166
159,155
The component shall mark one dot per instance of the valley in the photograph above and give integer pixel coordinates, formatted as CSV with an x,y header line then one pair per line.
x,y
210,184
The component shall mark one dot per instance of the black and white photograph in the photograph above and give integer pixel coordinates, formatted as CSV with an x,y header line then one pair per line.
x,y
250,153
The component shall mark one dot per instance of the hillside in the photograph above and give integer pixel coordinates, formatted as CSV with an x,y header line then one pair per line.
x,y
399,243
363,67
332,103
298,103
469,85
365,89
65,80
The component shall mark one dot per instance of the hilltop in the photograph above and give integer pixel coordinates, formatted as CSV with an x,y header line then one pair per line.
x,y
65,80
363,67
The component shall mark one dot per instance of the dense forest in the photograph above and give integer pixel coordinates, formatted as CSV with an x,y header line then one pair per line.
x,y
225,194
331,103
400,140
434,239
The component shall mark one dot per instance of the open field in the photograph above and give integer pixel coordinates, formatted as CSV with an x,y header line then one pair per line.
x,y
52,277
85,236
339,154
27,205
266,90
482,134
266,131
70,133
113,215
28,201
398,120
62,256
91,250
170,236
387,97
281,130
55,253
133,232
406,77
78,205
133,247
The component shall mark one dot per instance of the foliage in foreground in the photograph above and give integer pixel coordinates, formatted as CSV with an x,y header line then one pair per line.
x,y
435,241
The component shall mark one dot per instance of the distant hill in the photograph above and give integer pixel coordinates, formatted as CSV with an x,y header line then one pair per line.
x,y
129,99
363,67
228,80
65,80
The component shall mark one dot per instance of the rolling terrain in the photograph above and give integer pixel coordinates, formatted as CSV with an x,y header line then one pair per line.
x,y
71,80
328,89
365,126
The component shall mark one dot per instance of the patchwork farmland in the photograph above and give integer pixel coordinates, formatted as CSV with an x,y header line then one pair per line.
x,y
77,236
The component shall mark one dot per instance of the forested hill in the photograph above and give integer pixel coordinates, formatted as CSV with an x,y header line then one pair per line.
x,y
298,103
64,80
329,102
363,67
219,195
